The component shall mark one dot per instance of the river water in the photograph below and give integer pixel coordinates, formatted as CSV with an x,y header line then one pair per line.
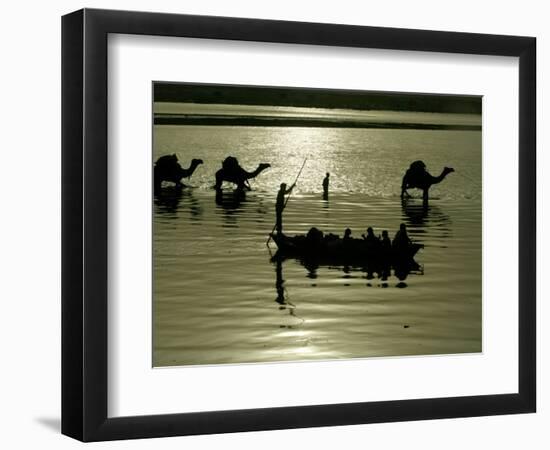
x,y
218,297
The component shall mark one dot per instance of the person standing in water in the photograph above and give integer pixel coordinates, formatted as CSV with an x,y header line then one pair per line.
x,y
325,185
280,206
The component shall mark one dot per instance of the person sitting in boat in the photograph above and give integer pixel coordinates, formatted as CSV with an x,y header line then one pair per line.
x,y
280,205
373,242
401,239
385,243
370,237
331,237
314,236
385,256
347,234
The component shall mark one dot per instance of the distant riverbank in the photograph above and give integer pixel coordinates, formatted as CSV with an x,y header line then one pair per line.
x,y
315,98
271,121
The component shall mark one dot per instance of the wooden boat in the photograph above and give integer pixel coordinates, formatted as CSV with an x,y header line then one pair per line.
x,y
331,249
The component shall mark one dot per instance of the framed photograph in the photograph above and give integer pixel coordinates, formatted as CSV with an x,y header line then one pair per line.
x,y
273,224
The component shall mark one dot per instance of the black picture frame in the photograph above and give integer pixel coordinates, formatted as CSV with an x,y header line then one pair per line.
x,y
84,224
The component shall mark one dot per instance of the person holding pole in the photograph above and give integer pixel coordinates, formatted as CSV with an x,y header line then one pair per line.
x,y
280,206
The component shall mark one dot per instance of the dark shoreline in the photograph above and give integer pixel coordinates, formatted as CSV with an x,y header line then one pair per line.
x,y
315,98
300,122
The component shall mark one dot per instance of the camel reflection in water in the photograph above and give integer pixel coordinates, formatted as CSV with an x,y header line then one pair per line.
x,y
171,200
424,219
234,203
230,200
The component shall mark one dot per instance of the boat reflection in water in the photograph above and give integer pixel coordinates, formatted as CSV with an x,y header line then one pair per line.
x,y
282,297
371,272
381,270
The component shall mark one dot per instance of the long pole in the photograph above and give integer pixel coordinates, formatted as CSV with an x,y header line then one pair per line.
x,y
287,199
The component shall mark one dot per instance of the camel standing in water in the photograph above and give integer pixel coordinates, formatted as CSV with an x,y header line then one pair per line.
x,y
232,172
418,177
167,168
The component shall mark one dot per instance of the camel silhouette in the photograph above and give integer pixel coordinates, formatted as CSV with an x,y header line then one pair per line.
x,y
232,172
418,177
167,168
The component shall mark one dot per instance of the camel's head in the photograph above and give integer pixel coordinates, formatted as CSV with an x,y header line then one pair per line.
x,y
448,170
196,162
263,166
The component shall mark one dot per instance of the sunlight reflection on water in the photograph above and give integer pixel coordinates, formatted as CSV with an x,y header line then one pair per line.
x,y
219,299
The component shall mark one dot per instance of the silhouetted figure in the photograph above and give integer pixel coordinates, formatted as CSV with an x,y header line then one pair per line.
x,y
167,168
370,237
331,237
325,186
385,259
372,241
280,205
232,172
347,241
385,242
347,234
418,177
314,236
401,239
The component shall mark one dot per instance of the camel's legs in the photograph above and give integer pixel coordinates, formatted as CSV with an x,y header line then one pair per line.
x,y
219,180
242,187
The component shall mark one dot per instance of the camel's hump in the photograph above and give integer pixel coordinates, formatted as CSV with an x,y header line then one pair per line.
x,y
418,165
230,163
